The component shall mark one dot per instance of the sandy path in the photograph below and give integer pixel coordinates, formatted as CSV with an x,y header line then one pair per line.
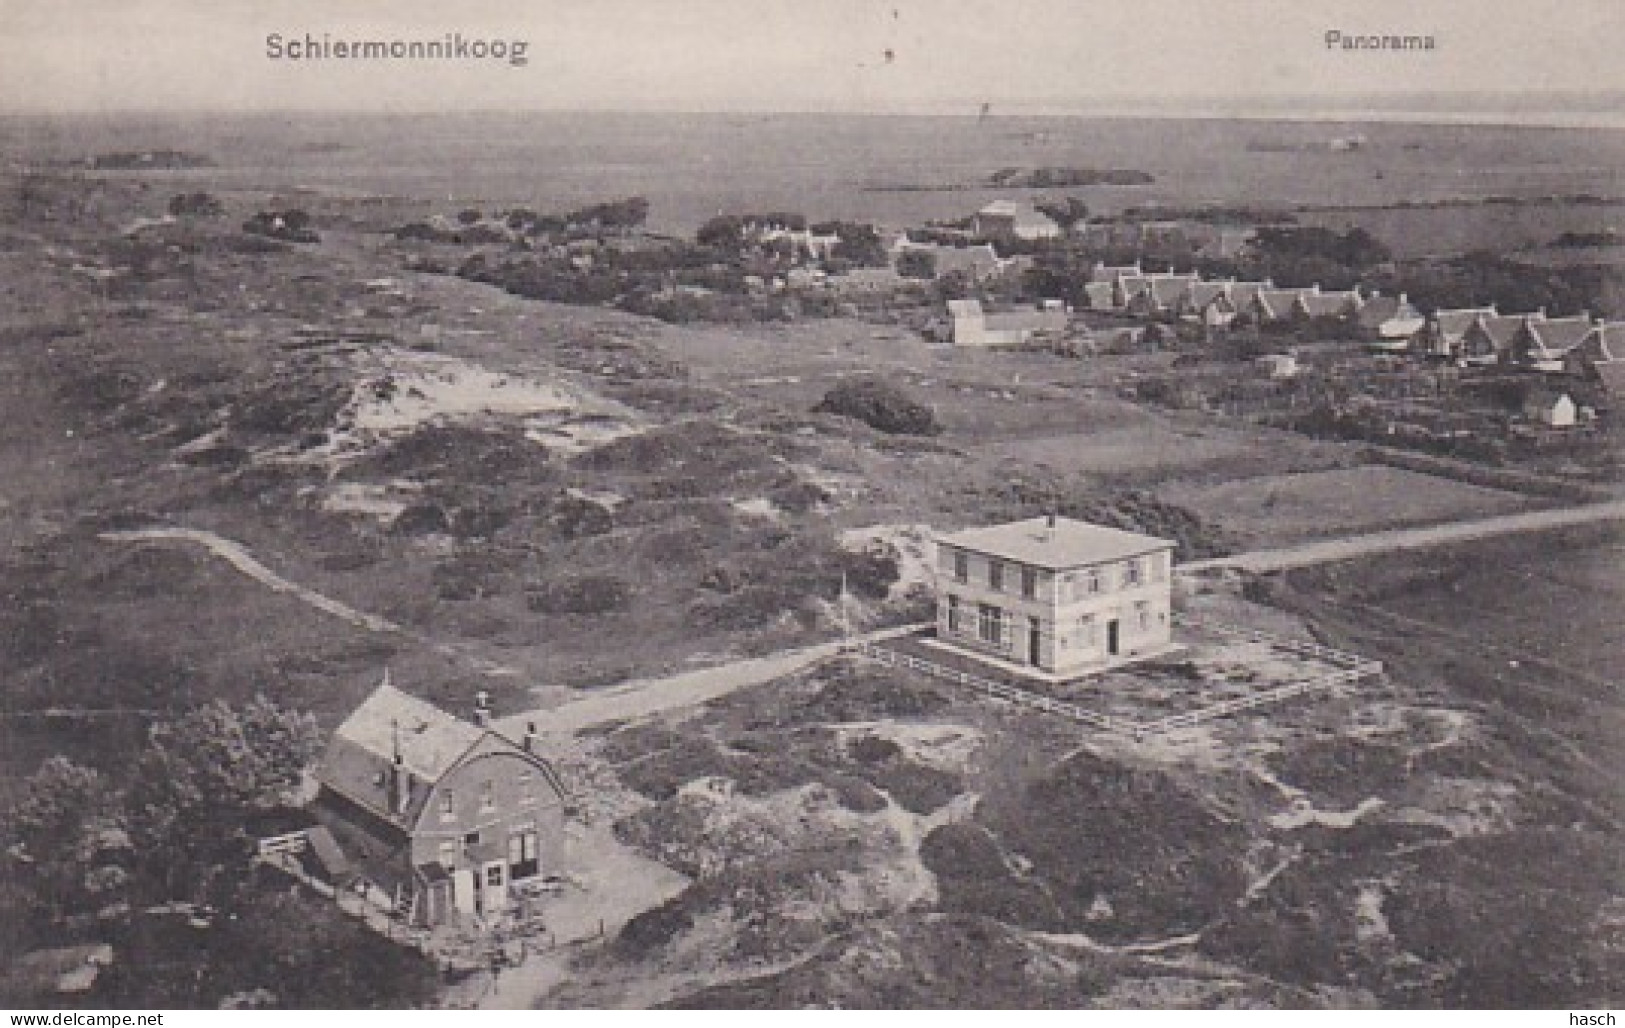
x,y
1331,550
642,696
629,699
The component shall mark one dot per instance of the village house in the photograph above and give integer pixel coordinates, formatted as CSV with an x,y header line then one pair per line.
x,y
1007,220
435,817
973,326
1388,322
1544,343
1313,304
1274,306
1157,295
1601,356
1055,596
1490,338
1442,333
1235,299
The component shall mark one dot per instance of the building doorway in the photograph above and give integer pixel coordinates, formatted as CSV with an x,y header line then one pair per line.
x,y
462,891
1035,636
1111,638
494,887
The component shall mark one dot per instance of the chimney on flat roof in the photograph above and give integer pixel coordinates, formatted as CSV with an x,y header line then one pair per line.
x,y
482,709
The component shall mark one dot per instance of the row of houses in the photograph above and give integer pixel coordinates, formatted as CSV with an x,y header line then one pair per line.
x,y
1485,336
1129,289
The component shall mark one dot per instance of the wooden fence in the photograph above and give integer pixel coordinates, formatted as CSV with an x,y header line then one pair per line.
x,y
1350,668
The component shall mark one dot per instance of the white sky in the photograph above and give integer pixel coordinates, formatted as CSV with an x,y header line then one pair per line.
x,y
790,55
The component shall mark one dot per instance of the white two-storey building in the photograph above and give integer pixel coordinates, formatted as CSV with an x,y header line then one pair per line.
x,y
1056,595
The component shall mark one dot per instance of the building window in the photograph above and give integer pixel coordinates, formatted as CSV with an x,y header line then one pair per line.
x,y
448,852
448,803
995,576
953,615
1159,567
471,839
1131,574
527,788
961,566
493,875
1142,614
488,795
1029,583
990,624
523,860
1094,584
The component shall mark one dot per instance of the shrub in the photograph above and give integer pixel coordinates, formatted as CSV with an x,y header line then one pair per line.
x,y
654,928
581,594
880,405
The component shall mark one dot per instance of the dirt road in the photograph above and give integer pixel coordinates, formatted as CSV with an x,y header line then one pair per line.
x,y
642,696
629,699
1330,550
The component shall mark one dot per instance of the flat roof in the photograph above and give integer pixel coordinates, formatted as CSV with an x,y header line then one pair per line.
x,y
1070,543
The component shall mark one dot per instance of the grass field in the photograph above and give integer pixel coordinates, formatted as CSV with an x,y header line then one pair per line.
x,y
1275,509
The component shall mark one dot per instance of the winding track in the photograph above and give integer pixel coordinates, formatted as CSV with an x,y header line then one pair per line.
x,y
691,688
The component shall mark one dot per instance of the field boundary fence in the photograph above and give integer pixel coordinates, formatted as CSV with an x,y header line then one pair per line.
x,y
1349,667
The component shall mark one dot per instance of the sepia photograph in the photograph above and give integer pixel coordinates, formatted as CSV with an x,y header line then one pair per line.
x,y
812,504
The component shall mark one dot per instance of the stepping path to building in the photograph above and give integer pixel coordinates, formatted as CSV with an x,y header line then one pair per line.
x,y
1332,550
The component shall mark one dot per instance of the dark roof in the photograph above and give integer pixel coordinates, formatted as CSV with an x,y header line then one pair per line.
x,y
326,854
1612,376
375,848
1451,323
1559,335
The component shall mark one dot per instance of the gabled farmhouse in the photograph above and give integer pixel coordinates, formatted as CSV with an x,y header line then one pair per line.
x,y
436,817
1601,356
1160,294
1273,306
1054,595
1442,334
1543,344
1490,337
1314,305
1389,322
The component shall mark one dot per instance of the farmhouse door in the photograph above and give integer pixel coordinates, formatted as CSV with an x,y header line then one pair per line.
x,y
1034,638
1111,638
462,890
494,887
